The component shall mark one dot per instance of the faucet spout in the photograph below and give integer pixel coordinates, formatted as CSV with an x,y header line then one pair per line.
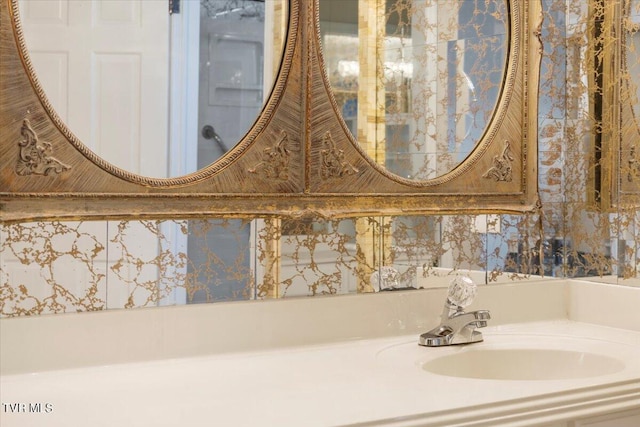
x,y
459,329
456,326
462,320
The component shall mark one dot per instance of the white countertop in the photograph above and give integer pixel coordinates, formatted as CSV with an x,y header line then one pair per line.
x,y
371,381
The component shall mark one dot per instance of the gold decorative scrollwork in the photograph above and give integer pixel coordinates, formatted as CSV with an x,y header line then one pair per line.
x,y
538,34
333,163
35,158
501,169
276,159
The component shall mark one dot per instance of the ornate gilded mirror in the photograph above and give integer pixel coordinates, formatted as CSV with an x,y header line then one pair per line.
x,y
469,146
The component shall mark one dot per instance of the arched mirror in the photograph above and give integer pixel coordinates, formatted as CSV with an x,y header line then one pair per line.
x,y
156,88
417,82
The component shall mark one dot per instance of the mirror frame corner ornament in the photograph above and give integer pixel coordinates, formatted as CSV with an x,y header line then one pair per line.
x,y
299,159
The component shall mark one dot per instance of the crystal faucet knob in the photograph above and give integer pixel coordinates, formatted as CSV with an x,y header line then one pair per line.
x,y
462,291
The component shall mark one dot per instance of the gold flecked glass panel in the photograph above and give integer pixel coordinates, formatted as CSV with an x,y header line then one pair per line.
x,y
588,225
318,257
52,268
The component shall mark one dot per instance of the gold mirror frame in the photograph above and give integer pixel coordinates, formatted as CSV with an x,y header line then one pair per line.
x,y
299,159
615,173
629,189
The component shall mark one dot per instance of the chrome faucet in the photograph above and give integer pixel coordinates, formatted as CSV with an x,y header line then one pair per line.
x,y
456,326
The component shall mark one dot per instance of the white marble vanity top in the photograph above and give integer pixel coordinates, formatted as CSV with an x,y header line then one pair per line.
x,y
367,381
326,385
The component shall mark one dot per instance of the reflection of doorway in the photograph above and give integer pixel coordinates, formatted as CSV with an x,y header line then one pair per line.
x,y
230,96
104,67
230,99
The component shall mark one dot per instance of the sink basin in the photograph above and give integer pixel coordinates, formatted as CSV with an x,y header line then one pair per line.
x,y
514,357
523,364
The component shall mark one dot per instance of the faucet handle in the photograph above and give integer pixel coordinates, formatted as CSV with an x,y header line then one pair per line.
x,y
462,291
385,278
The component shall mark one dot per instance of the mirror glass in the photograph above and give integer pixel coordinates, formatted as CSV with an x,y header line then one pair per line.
x,y
154,91
416,81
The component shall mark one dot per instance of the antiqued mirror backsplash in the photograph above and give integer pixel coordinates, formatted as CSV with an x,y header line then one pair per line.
x,y
588,224
58,267
80,266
